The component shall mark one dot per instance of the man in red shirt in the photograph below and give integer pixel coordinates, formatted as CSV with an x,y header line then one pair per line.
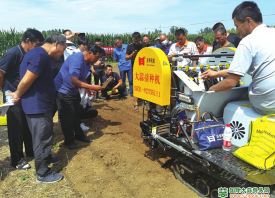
x,y
203,49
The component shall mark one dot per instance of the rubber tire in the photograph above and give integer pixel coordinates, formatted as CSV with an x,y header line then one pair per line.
x,y
178,176
214,193
208,189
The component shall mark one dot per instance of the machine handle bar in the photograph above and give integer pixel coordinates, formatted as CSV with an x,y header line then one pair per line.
x,y
201,55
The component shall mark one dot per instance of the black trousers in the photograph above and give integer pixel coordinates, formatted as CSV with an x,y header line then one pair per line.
x,y
18,133
89,79
109,87
68,110
98,76
41,127
88,112
55,108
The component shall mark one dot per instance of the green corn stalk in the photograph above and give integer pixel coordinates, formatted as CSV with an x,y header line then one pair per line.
x,y
11,38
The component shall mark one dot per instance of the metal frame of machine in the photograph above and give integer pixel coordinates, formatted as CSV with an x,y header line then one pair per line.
x,y
203,171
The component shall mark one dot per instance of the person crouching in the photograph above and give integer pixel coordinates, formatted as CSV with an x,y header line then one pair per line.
x,y
114,83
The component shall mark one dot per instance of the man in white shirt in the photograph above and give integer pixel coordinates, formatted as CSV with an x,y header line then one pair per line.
x,y
183,47
254,56
70,49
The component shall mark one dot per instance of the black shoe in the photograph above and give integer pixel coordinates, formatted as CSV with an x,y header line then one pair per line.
x,y
122,98
83,139
23,165
72,146
56,160
106,98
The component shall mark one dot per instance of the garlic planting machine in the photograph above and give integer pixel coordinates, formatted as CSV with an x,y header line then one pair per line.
x,y
176,97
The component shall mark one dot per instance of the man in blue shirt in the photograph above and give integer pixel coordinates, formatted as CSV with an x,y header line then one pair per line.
x,y
37,93
164,44
125,67
114,83
70,78
18,130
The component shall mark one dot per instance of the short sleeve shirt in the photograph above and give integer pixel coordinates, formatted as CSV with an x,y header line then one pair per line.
x,y
10,64
57,64
114,81
70,49
165,49
206,51
119,54
256,57
76,66
150,44
40,97
132,47
188,47
232,38
229,45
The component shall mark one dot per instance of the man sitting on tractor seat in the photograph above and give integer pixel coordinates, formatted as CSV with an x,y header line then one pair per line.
x,y
253,56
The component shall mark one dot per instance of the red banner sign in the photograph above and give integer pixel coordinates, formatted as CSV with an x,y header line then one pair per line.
x,y
108,50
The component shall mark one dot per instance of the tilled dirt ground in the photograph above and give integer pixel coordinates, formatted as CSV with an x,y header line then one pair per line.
x,y
116,164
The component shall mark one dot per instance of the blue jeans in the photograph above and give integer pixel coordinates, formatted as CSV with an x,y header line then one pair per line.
x,y
130,79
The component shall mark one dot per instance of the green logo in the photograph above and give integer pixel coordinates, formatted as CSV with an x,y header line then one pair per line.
x,y
223,192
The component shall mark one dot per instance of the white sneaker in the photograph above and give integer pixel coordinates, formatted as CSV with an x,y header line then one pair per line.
x,y
23,165
83,127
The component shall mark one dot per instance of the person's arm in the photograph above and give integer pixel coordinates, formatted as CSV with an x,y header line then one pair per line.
x,y
2,74
194,58
194,52
209,74
6,63
115,87
230,82
115,56
98,63
129,57
118,84
24,85
81,84
72,35
240,65
93,69
170,54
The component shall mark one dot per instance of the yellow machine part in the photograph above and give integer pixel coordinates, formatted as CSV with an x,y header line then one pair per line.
x,y
231,48
152,76
3,119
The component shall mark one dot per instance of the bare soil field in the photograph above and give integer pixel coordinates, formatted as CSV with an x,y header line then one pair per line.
x,y
116,164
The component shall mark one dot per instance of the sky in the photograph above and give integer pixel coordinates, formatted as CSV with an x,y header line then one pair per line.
x,y
122,16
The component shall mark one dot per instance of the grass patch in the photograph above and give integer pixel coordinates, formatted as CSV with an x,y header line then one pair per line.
x,y
24,177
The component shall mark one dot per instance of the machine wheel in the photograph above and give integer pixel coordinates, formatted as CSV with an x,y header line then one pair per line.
x,y
179,173
203,187
214,193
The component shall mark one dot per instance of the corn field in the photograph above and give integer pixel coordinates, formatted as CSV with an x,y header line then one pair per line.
x,y
11,38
